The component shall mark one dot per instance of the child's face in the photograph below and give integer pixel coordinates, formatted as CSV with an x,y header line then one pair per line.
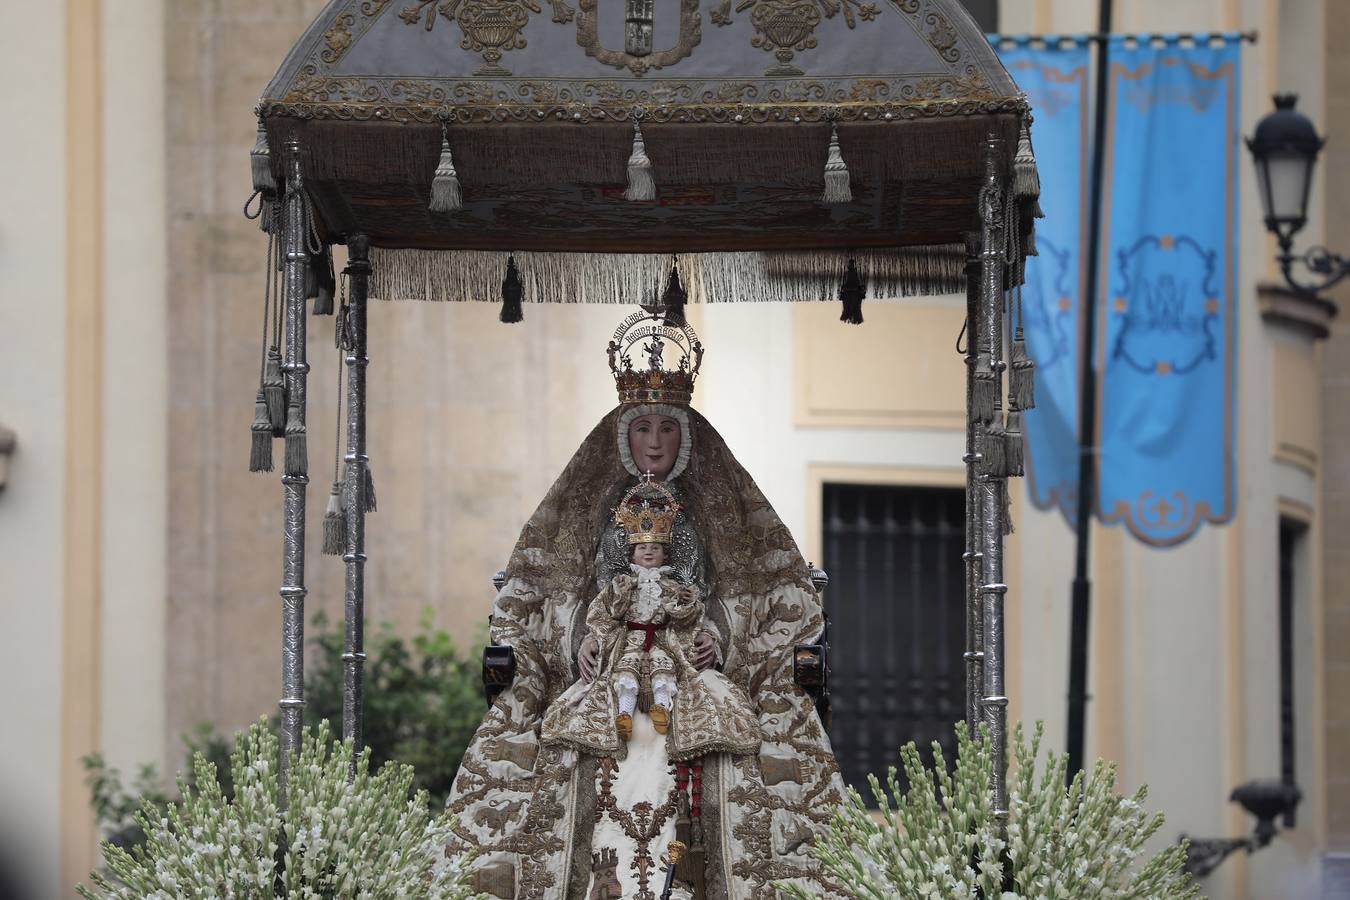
x,y
649,556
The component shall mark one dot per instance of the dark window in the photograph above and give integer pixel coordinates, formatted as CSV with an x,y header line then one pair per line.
x,y
897,622
984,12
1291,539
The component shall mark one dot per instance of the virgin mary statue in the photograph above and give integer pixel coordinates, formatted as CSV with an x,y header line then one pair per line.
x,y
552,820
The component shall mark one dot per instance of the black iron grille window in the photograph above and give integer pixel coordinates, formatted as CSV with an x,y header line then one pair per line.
x,y
897,622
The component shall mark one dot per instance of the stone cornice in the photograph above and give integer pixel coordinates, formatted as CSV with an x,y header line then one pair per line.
x,y
1281,305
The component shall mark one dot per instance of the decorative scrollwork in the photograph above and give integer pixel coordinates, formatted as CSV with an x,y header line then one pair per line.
x,y
338,38
942,37
327,100
489,26
783,27
414,14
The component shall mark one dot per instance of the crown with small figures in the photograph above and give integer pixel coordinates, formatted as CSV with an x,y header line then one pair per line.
x,y
654,340
647,513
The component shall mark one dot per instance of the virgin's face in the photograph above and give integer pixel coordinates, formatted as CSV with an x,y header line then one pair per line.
x,y
654,441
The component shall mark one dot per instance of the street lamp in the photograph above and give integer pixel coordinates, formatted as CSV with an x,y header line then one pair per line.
x,y
1285,148
1266,801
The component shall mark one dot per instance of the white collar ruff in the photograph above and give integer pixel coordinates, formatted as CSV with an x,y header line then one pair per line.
x,y
645,575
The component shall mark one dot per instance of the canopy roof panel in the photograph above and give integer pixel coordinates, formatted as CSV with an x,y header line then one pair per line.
x,y
736,99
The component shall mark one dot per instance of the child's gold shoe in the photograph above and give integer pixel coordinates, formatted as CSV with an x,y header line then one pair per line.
x,y
660,719
624,723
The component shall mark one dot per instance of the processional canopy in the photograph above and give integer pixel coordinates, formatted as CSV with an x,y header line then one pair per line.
x,y
778,137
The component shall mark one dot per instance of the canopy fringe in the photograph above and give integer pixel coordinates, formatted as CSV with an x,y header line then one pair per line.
x,y
624,278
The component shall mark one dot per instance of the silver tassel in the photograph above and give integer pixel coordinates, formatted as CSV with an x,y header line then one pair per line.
x,y
1022,373
837,188
297,451
368,491
1014,448
267,215
334,524
274,390
1029,243
260,450
992,461
641,186
311,278
445,192
1026,180
984,394
260,160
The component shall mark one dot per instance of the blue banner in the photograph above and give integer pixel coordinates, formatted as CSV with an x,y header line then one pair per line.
x,y
1055,80
1166,343
1167,323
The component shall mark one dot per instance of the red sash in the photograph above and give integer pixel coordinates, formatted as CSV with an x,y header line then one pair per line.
x,y
650,628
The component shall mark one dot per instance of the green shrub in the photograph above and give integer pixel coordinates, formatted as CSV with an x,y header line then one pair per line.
x,y
339,836
939,838
423,699
115,807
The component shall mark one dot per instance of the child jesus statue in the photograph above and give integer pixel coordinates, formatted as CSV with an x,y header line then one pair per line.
x,y
646,623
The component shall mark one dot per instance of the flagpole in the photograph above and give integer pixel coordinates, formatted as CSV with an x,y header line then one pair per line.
x,y
1080,615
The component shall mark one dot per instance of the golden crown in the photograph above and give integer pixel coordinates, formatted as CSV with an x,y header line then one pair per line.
x,y
647,513
654,383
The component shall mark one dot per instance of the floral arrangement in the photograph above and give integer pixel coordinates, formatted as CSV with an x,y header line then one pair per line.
x,y
939,839
340,836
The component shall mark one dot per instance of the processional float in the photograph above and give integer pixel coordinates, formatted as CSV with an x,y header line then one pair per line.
x,y
773,149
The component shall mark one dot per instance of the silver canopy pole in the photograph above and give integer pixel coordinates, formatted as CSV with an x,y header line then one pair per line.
x,y
294,483
992,480
354,493
973,558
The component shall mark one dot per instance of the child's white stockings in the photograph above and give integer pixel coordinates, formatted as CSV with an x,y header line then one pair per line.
x,y
626,687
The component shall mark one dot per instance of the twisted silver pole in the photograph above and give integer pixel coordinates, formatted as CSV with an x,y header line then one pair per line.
x,y
296,369
973,558
991,483
353,493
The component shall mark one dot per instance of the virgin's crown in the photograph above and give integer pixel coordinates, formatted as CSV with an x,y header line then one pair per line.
x,y
647,513
653,342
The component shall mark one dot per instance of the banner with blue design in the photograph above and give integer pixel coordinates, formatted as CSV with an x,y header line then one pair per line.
x,y
1167,324
1055,80
1166,347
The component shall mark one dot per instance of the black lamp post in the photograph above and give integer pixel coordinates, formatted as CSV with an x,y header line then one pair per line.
x,y
1285,148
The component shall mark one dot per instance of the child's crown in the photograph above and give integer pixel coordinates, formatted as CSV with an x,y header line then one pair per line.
x,y
647,513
